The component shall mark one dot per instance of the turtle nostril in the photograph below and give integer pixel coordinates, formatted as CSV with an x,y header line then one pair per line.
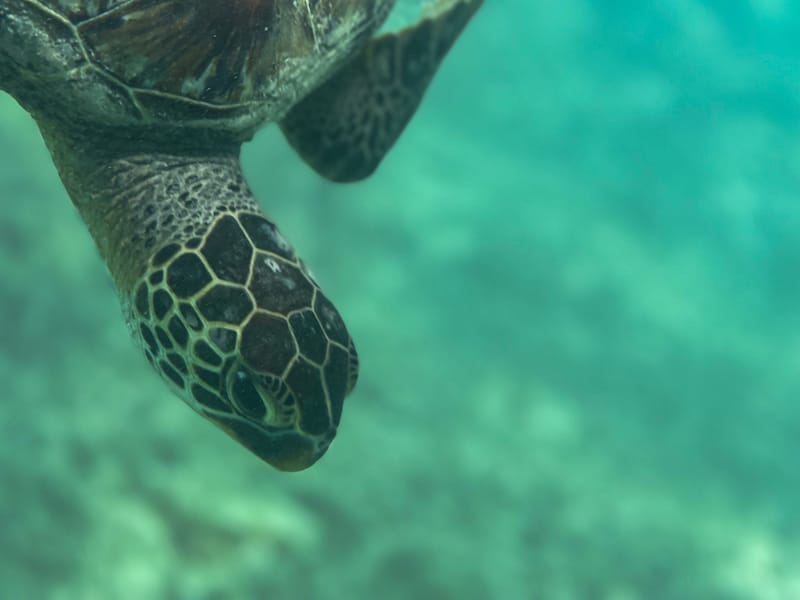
x,y
246,396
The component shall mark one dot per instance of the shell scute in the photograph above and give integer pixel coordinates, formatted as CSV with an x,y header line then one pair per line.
x,y
205,50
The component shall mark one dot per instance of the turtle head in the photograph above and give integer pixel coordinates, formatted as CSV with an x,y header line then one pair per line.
x,y
235,323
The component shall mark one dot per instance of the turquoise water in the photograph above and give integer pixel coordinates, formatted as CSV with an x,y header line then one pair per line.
x,y
573,289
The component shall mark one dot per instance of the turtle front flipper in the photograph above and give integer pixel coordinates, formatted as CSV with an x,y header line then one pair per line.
x,y
344,128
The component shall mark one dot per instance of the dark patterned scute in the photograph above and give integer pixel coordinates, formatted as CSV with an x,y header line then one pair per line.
x,y
208,399
228,251
266,236
205,353
191,317
77,11
162,302
165,254
309,336
177,362
226,303
224,339
279,287
171,373
305,381
187,275
336,376
163,339
149,338
208,43
141,301
267,344
210,378
352,366
331,320
178,331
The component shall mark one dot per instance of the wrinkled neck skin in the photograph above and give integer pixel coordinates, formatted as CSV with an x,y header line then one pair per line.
x,y
137,200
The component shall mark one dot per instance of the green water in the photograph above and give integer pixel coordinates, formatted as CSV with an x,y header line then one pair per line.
x,y
574,289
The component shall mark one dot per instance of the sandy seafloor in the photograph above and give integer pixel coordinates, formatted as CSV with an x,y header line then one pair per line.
x,y
575,289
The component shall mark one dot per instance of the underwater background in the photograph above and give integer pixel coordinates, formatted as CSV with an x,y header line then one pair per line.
x,y
574,285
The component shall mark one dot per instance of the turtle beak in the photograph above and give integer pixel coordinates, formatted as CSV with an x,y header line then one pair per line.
x,y
284,450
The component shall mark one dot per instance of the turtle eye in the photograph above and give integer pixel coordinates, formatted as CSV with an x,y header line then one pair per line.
x,y
246,396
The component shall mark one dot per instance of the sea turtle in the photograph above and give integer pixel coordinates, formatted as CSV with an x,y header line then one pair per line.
x,y
144,105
